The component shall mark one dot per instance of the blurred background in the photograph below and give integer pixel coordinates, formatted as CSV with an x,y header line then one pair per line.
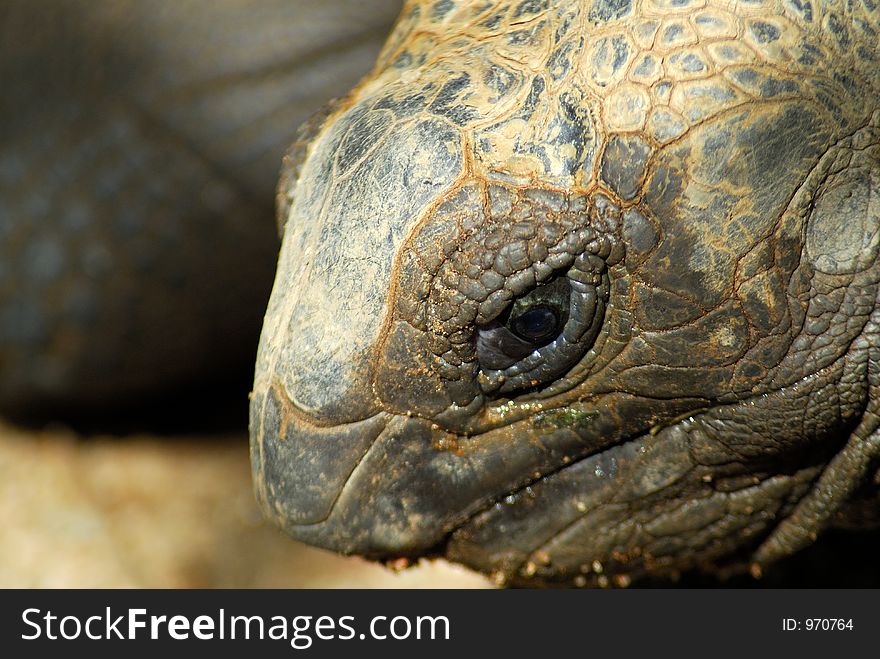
x,y
140,144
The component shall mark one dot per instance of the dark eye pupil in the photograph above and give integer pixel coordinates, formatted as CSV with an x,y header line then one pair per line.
x,y
538,324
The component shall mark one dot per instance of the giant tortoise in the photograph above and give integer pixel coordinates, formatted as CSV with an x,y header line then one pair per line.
x,y
583,291
569,292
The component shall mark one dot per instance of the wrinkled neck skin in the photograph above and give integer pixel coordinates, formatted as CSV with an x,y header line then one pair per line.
x,y
702,181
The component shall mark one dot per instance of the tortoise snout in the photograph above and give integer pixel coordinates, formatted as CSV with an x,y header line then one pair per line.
x,y
299,467
375,487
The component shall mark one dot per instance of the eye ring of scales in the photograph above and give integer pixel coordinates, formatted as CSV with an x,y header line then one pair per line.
x,y
707,177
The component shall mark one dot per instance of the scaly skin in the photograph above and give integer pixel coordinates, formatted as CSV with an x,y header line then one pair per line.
x,y
704,178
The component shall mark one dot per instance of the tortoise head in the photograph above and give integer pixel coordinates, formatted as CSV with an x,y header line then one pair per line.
x,y
565,293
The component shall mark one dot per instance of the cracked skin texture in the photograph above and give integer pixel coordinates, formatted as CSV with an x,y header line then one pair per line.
x,y
704,178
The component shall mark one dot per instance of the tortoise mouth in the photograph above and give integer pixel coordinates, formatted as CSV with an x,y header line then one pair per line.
x,y
634,509
392,485
510,500
399,487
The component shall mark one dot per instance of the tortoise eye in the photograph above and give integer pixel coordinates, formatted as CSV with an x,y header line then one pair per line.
x,y
542,334
529,323
538,324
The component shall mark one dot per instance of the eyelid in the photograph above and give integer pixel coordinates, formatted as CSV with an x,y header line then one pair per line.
x,y
498,348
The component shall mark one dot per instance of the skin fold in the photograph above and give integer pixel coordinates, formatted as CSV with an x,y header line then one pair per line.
x,y
701,179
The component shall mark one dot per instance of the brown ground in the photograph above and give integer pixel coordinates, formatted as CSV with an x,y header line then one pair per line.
x,y
142,512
